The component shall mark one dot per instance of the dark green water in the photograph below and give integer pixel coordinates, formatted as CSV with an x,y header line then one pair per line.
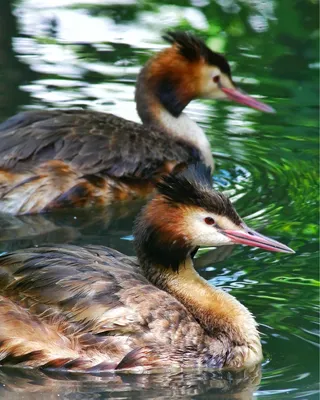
x,y
68,53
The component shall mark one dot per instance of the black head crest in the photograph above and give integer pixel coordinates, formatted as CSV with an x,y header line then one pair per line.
x,y
192,186
193,48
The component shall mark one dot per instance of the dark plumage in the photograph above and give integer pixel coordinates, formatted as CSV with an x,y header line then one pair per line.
x,y
167,93
193,187
152,246
193,48
87,141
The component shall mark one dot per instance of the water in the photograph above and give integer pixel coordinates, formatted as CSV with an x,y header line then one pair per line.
x,y
68,53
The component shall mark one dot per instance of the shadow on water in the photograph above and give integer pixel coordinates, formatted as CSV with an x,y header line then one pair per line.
x,y
71,54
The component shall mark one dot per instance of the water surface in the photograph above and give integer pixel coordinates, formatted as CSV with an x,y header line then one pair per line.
x,y
68,53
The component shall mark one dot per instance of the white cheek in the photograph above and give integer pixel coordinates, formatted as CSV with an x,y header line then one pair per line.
x,y
209,89
207,235
213,239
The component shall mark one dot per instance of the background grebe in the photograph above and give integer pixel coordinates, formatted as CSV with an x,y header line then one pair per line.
x,y
85,308
57,159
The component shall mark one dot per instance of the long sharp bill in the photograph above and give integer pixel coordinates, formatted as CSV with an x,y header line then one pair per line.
x,y
242,98
255,239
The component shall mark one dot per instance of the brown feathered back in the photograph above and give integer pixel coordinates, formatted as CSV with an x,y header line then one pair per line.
x,y
54,159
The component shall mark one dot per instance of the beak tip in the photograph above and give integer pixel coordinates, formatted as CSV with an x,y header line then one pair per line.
x,y
270,110
290,251
287,249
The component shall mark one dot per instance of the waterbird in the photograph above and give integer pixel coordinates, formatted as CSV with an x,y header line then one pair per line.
x,y
53,159
93,308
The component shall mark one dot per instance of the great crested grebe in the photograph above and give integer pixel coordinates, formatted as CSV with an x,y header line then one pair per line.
x,y
57,159
92,308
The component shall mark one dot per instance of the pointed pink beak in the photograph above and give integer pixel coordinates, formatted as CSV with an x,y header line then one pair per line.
x,y
252,238
242,98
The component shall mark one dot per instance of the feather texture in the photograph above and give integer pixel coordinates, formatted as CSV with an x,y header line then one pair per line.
x,y
82,308
55,159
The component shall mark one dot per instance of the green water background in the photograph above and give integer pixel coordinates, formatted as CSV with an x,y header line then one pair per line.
x,y
67,53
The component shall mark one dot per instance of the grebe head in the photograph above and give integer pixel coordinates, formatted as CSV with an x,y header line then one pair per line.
x,y
189,70
187,214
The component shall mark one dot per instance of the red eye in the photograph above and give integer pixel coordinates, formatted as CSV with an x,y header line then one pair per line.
x,y
216,79
209,221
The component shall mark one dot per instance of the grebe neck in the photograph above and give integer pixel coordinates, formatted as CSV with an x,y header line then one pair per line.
x,y
220,314
162,108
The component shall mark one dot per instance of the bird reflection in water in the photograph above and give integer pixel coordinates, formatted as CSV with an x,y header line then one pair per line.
x,y
35,384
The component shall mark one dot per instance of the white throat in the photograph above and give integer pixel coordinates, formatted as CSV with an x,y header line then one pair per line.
x,y
183,127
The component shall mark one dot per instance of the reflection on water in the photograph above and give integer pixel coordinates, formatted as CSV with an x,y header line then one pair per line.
x,y
220,385
74,53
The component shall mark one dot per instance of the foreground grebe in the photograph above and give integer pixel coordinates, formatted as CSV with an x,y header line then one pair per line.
x,y
77,158
93,308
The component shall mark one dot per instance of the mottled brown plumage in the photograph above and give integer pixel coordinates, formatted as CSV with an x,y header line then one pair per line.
x,y
58,159
92,308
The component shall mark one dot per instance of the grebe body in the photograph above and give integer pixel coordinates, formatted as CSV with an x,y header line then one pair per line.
x,y
77,158
92,308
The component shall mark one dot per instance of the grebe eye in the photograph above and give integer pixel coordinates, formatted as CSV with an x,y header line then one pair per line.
x,y
216,79
209,221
